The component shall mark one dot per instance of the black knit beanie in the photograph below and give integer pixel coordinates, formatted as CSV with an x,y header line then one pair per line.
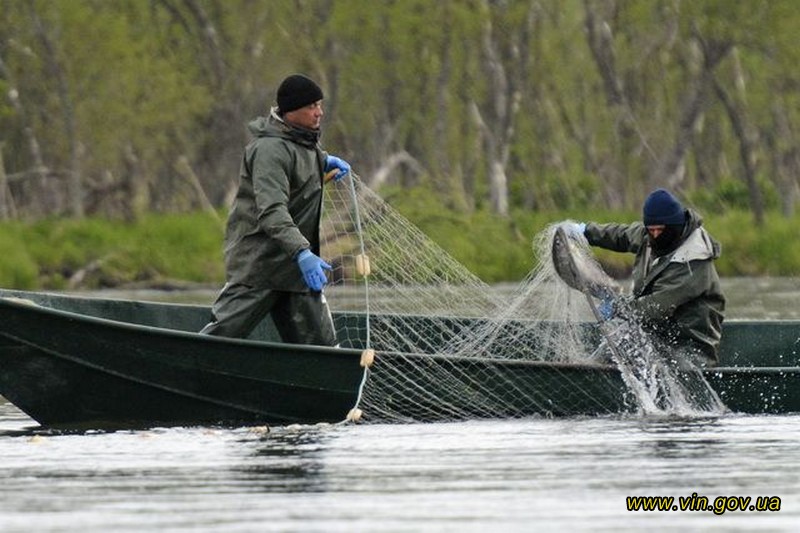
x,y
297,91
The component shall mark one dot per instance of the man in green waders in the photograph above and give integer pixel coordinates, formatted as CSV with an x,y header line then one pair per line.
x,y
272,262
676,289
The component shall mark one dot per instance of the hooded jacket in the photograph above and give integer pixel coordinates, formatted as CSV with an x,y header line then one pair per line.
x,y
678,295
278,205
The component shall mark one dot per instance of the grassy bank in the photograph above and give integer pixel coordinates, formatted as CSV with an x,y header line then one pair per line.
x,y
186,249
93,253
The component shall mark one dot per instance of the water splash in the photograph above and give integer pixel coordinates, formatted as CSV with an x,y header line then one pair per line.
x,y
661,380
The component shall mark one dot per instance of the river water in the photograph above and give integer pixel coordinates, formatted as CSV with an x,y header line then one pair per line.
x,y
758,298
569,474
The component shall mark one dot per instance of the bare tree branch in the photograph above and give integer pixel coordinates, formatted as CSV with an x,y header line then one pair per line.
x,y
738,122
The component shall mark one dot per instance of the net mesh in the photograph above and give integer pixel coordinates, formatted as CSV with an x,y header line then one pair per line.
x,y
451,347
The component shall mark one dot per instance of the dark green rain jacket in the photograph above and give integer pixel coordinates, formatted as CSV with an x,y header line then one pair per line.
x,y
278,206
678,295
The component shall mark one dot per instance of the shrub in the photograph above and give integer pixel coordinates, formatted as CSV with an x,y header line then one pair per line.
x,y
18,270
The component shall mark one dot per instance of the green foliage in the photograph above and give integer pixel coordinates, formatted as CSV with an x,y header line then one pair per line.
x,y
104,253
121,92
64,246
117,91
127,91
187,248
499,249
751,251
732,194
18,268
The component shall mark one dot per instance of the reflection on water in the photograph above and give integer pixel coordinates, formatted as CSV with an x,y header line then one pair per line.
x,y
285,460
524,475
678,438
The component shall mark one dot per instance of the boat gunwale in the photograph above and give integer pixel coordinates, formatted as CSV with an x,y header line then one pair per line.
x,y
133,326
15,299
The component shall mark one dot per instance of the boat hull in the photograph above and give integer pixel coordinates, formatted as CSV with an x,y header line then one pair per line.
x,y
70,370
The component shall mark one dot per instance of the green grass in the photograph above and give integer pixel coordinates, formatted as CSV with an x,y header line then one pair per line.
x,y
106,253
188,247
500,249
18,268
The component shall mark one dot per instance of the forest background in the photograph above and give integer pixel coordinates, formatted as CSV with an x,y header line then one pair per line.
x,y
122,123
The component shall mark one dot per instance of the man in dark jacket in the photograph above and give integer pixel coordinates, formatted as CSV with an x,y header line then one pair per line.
x,y
272,241
676,289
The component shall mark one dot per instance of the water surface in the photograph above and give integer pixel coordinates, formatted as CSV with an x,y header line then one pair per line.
x,y
748,298
570,474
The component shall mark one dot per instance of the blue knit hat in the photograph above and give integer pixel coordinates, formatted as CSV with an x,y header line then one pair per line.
x,y
661,207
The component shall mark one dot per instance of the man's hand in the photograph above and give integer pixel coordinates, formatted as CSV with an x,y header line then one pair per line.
x,y
313,269
332,162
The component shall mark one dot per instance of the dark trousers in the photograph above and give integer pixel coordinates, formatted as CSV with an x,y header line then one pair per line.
x,y
300,317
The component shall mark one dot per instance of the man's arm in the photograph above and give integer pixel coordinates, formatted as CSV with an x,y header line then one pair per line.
x,y
616,237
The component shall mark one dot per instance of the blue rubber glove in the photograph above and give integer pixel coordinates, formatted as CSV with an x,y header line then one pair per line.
x,y
313,269
332,162
575,229
606,308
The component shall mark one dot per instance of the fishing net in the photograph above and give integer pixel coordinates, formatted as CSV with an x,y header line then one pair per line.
x,y
450,347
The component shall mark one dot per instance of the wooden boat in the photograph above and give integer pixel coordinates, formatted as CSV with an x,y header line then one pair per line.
x,y
77,362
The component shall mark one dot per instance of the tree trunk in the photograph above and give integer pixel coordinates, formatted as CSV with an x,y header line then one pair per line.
x,y
672,168
7,209
39,170
618,173
184,169
56,72
496,120
211,41
787,160
498,186
739,125
392,162
449,180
